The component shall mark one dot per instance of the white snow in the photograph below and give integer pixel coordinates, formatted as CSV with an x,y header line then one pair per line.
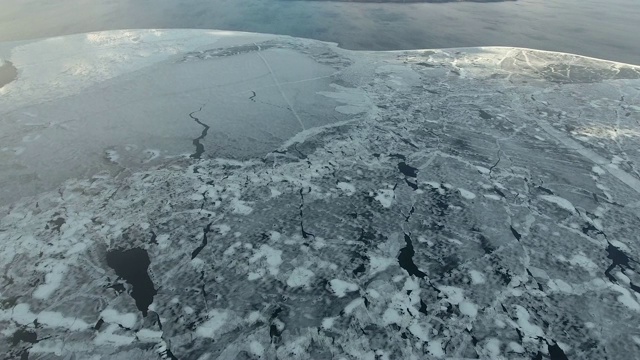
x,y
151,154
256,348
598,170
211,328
468,308
616,160
231,250
454,295
531,331
147,335
275,192
76,248
584,262
435,348
467,194
477,277
492,347
223,229
240,207
515,347
112,316
163,241
347,188
327,323
56,319
108,337
499,323
112,156
320,243
273,258
353,305
300,277
620,245
341,287
391,316
378,263
589,325
561,202
418,331
492,197
49,346
52,281
559,285
385,197
253,317
626,298
22,315
275,236
355,100
196,197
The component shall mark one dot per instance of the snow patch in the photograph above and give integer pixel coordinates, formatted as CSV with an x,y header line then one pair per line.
x,y
385,197
300,277
22,315
256,348
560,285
52,281
452,294
468,308
418,331
435,348
391,316
347,188
626,298
353,305
212,327
275,192
273,258
108,337
378,264
561,202
492,197
515,347
112,316
240,207
492,348
341,287
598,170
327,323
532,331
147,335
477,277
112,156
467,194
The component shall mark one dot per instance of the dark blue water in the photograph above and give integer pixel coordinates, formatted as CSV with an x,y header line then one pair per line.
x,y
598,28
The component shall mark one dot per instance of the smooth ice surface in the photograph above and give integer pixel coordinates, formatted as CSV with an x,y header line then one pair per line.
x,y
215,195
138,98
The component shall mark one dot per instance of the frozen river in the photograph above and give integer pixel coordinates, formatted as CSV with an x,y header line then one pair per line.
x,y
213,194
200,194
